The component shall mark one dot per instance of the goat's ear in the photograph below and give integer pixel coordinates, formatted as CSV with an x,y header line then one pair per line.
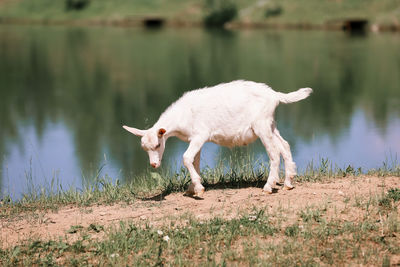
x,y
161,132
135,131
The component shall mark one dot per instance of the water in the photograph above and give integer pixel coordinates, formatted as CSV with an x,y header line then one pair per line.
x,y
66,91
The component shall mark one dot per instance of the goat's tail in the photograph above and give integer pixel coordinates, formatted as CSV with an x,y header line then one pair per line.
x,y
295,96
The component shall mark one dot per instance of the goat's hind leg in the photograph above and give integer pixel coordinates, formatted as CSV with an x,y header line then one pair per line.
x,y
191,160
290,166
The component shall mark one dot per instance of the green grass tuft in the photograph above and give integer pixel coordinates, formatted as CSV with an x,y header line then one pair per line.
x,y
244,172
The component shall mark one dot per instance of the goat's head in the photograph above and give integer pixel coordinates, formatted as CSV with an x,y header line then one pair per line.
x,y
153,142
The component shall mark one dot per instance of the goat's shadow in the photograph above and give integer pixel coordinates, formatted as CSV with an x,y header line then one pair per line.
x,y
218,186
159,197
194,197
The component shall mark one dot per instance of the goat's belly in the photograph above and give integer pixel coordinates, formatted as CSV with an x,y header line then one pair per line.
x,y
234,139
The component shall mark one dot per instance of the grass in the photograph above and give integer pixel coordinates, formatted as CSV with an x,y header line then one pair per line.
x,y
323,234
320,234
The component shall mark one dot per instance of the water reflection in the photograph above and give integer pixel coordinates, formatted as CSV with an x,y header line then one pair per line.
x,y
65,92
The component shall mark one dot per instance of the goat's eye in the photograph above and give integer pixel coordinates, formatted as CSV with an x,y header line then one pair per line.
x,y
157,146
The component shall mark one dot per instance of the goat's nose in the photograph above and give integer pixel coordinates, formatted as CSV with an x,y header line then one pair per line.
x,y
154,165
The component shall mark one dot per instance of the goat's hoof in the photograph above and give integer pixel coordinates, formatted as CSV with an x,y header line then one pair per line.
x,y
199,193
196,191
267,189
285,187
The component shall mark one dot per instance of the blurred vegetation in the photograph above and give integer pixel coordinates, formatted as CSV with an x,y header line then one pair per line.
x,y
273,9
76,4
284,12
221,12
100,10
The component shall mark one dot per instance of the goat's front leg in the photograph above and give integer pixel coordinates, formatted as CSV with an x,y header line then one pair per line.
x,y
264,131
196,162
191,160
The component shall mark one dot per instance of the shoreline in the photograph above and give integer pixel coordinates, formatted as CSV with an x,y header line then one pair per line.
x,y
160,22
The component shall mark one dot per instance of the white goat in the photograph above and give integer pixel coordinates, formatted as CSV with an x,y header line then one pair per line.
x,y
230,114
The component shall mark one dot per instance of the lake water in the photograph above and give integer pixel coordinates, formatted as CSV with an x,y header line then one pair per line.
x,y
66,91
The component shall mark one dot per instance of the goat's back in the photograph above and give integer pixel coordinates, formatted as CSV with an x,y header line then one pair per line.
x,y
234,98
224,113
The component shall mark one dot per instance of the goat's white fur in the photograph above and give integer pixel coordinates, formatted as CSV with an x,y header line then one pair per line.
x,y
230,114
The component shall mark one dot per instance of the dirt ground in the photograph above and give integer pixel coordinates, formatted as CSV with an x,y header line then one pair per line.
x,y
226,203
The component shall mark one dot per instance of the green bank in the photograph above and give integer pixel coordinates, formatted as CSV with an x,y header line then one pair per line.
x,y
379,14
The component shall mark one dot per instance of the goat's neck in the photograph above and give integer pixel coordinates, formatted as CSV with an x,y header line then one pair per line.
x,y
172,128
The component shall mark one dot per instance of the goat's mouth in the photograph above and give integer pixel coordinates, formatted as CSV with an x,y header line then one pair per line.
x,y
155,165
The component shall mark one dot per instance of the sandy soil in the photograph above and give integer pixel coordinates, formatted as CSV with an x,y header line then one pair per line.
x,y
226,203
